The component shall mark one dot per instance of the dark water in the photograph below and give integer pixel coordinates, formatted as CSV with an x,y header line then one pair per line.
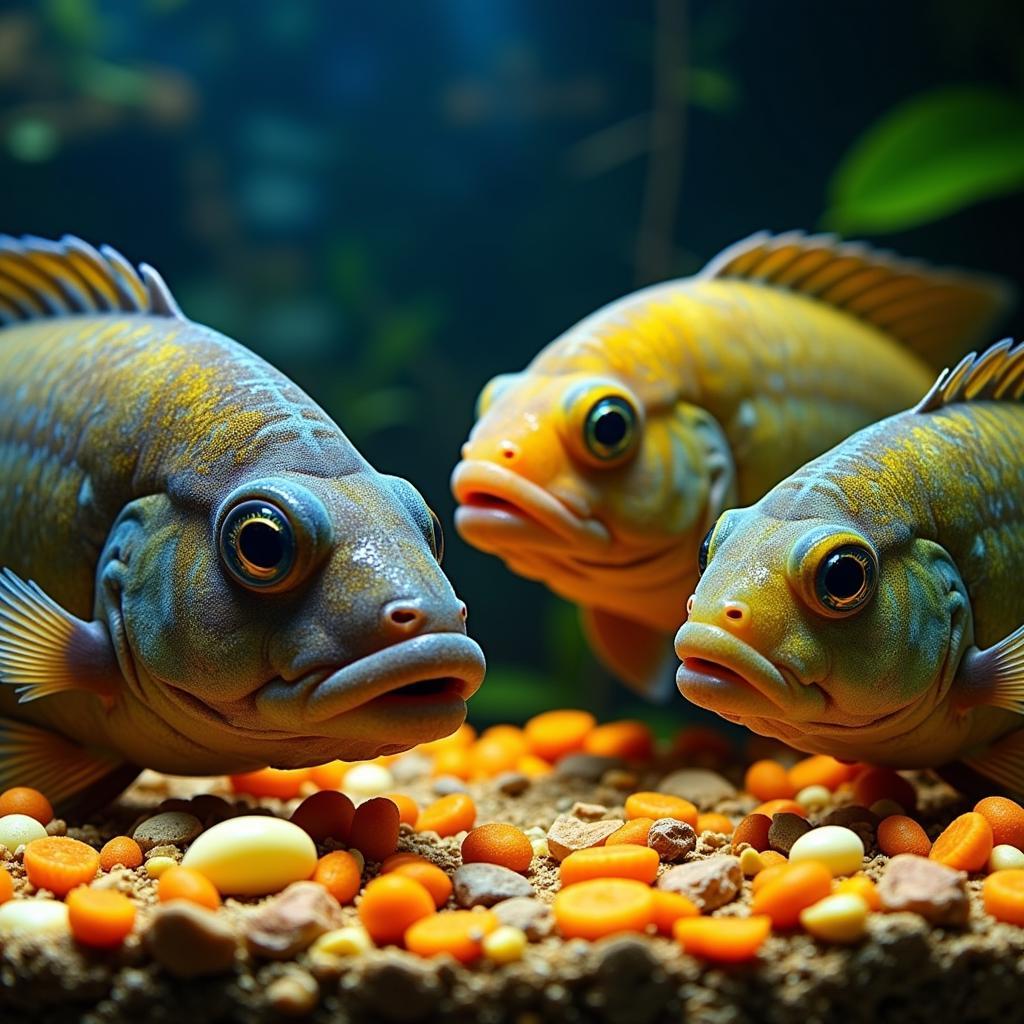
x,y
394,201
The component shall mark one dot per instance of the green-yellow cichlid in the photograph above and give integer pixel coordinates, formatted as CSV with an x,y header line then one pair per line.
x,y
870,606
200,573
599,468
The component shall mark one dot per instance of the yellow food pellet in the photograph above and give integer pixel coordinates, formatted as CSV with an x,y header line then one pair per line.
x,y
540,847
156,866
841,917
813,798
349,941
1005,857
751,862
839,849
505,944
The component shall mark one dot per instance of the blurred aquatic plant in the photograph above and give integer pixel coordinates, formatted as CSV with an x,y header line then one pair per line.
x,y
929,157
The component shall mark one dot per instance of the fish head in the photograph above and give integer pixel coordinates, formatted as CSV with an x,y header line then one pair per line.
x,y
819,631
592,482
298,617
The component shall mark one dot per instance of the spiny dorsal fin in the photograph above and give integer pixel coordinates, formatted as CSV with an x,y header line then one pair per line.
x,y
996,375
39,278
938,313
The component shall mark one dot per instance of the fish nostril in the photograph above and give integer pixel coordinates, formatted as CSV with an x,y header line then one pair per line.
x,y
463,611
689,605
737,612
509,450
403,617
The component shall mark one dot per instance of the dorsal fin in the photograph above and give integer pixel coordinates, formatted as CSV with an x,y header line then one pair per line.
x,y
938,313
39,278
996,375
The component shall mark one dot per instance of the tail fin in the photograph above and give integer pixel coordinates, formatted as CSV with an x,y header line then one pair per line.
x,y
938,313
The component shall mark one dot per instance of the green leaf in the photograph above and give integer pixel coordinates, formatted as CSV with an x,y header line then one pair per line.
x,y
930,157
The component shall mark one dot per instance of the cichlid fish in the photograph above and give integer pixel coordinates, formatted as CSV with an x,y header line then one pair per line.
x,y
870,606
599,468
200,573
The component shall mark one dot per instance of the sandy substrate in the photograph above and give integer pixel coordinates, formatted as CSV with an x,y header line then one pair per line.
x,y
905,970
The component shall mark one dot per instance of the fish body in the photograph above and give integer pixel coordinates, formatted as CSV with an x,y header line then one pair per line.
x,y
200,572
869,606
708,391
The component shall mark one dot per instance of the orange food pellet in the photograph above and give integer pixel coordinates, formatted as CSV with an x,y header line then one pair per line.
x,y
1006,817
25,800
498,843
59,863
402,857
408,809
1003,894
180,883
628,739
430,876
283,783
497,750
769,858
965,844
728,940
100,917
6,885
533,767
391,904
874,784
753,830
670,907
863,887
449,815
603,906
635,831
714,822
454,761
780,806
463,738
900,834
339,873
796,887
458,932
660,805
374,831
325,815
625,860
120,850
554,734
768,874
821,770
768,780
330,775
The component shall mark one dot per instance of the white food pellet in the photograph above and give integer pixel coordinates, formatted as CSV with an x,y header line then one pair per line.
x,y
839,849
366,780
1004,857
813,798
18,829
33,917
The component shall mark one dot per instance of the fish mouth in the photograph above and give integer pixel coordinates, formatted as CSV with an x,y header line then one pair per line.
x,y
499,508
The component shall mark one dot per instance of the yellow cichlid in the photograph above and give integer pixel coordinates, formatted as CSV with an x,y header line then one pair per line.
x,y
198,571
598,469
870,606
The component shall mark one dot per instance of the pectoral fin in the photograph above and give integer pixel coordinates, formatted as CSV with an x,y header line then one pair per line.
x,y
45,649
637,654
61,770
994,676
1003,762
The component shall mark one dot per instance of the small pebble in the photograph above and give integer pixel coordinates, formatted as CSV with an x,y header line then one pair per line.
x,y
445,785
751,862
366,780
856,818
156,866
483,885
886,807
189,941
709,883
528,915
700,786
785,830
926,887
841,917
839,849
617,778
174,828
288,923
352,940
33,917
568,834
253,855
505,944
57,827
1005,857
588,812
588,767
294,994
672,840
813,798
411,767
540,847
164,850
512,783
19,830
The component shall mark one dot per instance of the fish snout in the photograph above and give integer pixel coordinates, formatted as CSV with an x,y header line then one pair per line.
x,y
408,617
734,616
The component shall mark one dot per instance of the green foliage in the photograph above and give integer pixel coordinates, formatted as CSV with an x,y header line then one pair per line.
x,y
929,157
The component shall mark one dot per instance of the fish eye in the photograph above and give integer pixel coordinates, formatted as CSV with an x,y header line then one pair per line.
x,y
846,578
437,536
257,544
610,428
705,549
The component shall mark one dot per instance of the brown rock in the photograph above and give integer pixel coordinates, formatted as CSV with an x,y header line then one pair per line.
x,y
174,828
189,941
483,885
568,834
704,788
588,767
527,914
856,818
937,892
617,778
709,883
588,812
294,994
512,783
673,840
288,923
785,830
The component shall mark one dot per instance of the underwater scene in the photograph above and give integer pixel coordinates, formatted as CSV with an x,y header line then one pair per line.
x,y
511,511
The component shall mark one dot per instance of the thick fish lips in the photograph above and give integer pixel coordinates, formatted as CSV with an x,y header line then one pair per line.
x,y
499,508
432,674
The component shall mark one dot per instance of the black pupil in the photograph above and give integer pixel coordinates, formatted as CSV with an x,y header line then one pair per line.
x,y
261,545
705,547
845,577
610,428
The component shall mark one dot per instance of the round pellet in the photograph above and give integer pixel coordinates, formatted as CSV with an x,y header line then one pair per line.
x,y
841,917
839,849
813,798
366,780
1005,857
33,917
18,830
